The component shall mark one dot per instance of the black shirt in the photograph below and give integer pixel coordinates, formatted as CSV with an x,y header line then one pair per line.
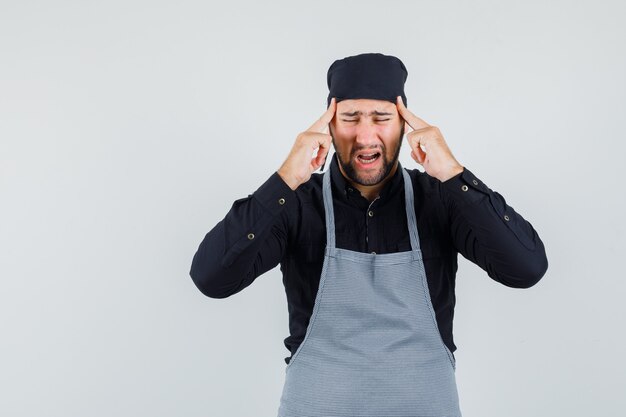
x,y
278,225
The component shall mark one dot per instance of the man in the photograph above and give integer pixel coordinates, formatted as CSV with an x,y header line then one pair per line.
x,y
368,251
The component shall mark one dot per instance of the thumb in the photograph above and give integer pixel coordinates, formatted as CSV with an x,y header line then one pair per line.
x,y
419,156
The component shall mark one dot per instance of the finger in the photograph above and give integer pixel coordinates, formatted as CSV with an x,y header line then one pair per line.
x,y
319,158
416,142
413,121
322,152
323,121
419,156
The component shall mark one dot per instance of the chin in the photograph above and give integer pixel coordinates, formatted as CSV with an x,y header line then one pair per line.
x,y
365,177
369,179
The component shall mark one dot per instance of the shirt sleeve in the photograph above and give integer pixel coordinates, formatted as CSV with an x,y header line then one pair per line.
x,y
249,241
490,233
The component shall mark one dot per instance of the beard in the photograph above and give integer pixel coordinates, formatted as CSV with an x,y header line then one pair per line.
x,y
381,174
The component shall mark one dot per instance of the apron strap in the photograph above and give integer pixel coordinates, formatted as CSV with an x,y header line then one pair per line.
x,y
328,208
409,208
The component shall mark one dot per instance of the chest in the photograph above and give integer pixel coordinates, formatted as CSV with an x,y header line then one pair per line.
x,y
379,228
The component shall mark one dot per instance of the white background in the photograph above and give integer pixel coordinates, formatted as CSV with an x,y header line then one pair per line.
x,y
128,128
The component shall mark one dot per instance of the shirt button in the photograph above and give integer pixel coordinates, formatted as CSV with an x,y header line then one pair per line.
x,y
370,213
464,187
475,182
250,236
506,217
281,201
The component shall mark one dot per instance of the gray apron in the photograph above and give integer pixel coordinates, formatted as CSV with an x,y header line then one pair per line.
x,y
372,346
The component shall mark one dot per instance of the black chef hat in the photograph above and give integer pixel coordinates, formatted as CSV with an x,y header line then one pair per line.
x,y
370,75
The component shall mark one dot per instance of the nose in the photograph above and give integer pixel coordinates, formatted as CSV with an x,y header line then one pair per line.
x,y
367,134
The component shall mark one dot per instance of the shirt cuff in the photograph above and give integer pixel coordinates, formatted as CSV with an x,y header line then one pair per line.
x,y
275,195
465,188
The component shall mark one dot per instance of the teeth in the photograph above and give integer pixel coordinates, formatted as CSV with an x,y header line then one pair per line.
x,y
370,157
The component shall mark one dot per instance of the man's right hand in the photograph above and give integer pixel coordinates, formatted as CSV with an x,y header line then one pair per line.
x,y
300,163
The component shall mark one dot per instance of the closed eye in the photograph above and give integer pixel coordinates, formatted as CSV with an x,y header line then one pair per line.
x,y
378,120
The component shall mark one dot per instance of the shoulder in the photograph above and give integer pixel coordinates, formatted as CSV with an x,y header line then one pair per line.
x,y
423,183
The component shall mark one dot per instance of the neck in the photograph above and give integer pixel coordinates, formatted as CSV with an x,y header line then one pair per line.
x,y
370,192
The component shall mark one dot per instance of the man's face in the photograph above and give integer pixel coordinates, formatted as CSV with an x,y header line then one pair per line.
x,y
367,135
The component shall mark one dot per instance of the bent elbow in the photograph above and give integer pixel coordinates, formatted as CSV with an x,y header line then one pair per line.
x,y
207,281
522,273
535,271
525,275
206,287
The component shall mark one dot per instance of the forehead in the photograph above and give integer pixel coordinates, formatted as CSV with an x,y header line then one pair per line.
x,y
365,106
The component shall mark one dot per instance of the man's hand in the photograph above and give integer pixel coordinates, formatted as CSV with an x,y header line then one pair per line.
x,y
300,163
428,147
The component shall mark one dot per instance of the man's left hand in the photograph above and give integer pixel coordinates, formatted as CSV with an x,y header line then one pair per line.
x,y
428,148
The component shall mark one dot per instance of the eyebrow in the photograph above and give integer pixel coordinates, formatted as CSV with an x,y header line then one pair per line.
x,y
358,113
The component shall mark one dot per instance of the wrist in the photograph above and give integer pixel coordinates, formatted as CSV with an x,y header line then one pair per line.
x,y
452,172
292,182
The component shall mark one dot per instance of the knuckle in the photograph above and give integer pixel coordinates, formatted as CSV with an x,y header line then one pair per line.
x,y
303,137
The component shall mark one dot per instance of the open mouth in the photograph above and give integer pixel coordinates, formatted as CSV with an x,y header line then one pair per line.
x,y
368,158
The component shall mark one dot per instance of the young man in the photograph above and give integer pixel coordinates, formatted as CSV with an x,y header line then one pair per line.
x,y
368,251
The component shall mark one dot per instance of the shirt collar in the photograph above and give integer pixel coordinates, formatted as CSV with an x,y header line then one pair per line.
x,y
343,187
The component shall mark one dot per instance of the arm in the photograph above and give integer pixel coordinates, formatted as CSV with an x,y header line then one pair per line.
x,y
249,241
491,234
484,228
252,238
